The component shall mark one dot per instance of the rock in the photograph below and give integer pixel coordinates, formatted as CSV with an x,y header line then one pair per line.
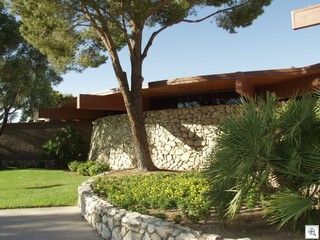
x,y
146,237
164,231
198,143
105,233
211,237
116,234
155,236
132,236
185,156
186,236
167,148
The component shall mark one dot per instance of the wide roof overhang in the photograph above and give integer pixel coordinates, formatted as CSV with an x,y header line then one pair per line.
x,y
284,82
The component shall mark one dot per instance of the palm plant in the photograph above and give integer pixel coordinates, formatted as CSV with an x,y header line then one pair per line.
x,y
271,148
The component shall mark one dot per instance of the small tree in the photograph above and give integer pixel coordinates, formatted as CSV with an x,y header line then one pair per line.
x,y
64,147
43,97
75,34
25,75
274,150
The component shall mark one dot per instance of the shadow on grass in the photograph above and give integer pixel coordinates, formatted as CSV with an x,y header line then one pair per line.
x,y
36,187
9,168
44,187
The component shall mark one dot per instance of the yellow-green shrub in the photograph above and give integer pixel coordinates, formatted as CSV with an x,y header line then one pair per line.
x,y
184,191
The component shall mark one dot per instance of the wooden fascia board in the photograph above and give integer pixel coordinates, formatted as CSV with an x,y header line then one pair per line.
x,y
113,102
289,88
311,70
190,80
70,114
243,86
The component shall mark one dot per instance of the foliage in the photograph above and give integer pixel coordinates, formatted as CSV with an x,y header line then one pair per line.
x,y
78,34
10,37
64,147
26,188
60,98
26,78
269,150
44,97
74,165
47,24
185,191
89,168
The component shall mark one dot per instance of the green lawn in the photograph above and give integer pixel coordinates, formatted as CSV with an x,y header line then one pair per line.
x,y
22,188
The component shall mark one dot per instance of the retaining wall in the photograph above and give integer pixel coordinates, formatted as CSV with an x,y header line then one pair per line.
x,y
20,144
179,139
118,224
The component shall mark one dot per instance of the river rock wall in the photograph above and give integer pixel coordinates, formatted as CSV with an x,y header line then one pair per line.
x,y
179,139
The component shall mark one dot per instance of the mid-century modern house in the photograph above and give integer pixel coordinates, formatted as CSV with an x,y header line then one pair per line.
x,y
197,91
181,115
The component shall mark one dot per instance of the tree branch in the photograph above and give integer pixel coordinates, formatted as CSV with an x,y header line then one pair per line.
x,y
151,39
16,109
106,37
126,35
215,13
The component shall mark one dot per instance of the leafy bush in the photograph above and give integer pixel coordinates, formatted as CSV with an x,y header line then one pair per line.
x,y
185,191
64,147
73,166
89,168
271,152
83,168
97,168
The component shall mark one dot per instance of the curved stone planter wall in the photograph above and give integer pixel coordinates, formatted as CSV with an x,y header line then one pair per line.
x,y
179,139
118,224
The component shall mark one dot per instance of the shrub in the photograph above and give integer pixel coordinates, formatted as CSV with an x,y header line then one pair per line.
x,y
64,147
185,191
83,168
73,166
269,151
97,168
89,168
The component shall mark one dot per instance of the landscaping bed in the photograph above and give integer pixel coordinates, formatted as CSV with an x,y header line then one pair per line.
x,y
249,224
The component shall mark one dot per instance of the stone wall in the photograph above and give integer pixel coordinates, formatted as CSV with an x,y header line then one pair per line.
x,y
20,144
179,139
118,224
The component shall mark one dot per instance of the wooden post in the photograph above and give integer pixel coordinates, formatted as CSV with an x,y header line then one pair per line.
x,y
306,17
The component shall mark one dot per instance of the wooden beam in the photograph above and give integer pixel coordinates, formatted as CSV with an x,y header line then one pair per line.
x,y
71,114
306,17
98,102
289,88
243,86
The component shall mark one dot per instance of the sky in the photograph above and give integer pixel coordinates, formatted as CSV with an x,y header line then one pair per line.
x,y
186,50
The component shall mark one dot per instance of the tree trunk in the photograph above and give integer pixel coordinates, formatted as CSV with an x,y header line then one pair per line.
x,y
4,121
139,133
132,97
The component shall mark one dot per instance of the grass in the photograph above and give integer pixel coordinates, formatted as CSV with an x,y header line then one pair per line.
x,y
24,188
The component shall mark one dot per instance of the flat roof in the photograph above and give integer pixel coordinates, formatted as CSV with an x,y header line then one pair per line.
x,y
284,82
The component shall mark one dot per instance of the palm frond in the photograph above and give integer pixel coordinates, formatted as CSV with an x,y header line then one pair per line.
x,y
287,208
